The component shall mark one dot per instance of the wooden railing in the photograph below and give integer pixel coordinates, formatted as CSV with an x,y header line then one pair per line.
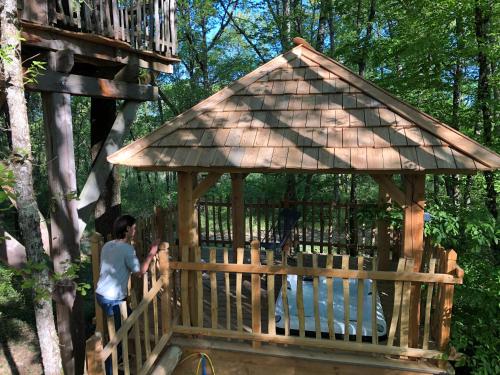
x,y
148,328
242,298
324,226
144,24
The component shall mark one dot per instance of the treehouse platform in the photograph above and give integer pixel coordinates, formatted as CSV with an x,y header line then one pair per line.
x,y
103,34
302,112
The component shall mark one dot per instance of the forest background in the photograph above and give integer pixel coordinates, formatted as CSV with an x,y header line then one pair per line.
x,y
441,56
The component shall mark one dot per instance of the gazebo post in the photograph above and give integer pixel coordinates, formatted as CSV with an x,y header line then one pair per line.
x,y
188,231
383,240
413,242
238,210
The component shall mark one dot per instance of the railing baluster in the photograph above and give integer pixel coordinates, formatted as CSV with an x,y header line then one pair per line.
x,y
239,310
398,289
374,305
345,287
359,306
428,303
284,296
271,316
114,353
256,312
126,364
137,337
300,296
186,320
317,321
329,286
405,308
147,342
214,309
199,287
155,303
228,290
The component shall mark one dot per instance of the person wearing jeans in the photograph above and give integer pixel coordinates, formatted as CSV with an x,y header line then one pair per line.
x,y
118,261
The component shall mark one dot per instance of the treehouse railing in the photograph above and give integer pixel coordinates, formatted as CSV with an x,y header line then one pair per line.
x,y
148,328
323,226
242,299
144,24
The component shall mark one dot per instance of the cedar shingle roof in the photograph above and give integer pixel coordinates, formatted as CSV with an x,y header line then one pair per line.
x,y
304,111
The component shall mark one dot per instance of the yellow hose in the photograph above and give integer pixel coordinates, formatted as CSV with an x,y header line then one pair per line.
x,y
198,366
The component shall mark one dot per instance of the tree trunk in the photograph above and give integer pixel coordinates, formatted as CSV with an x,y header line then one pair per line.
x,y
452,180
21,163
367,38
483,11
324,11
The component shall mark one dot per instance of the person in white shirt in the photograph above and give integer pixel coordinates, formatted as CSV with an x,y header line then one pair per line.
x,y
118,261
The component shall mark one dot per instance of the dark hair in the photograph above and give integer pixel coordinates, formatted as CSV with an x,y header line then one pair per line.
x,y
120,226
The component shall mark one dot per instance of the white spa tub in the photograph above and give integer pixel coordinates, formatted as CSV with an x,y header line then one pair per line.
x,y
338,308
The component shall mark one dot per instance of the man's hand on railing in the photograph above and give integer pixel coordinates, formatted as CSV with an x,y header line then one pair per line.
x,y
152,252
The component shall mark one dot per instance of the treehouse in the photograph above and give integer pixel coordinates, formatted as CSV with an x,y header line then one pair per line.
x,y
258,310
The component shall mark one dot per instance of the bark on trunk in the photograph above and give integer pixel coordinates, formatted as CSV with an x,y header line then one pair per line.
x,y
324,11
21,163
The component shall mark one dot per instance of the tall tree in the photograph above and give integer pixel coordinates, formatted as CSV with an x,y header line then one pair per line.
x,y
21,164
483,13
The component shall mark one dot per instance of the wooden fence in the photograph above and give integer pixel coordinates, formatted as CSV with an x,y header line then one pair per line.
x,y
215,295
144,24
224,305
323,226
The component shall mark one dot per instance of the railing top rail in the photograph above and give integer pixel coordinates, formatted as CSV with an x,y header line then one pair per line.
x,y
309,271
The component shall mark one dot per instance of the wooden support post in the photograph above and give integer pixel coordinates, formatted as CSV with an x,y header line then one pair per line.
x,y
383,240
108,206
449,265
166,304
95,248
188,231
101,168
256,312
238,210
65,247
413,243
93,350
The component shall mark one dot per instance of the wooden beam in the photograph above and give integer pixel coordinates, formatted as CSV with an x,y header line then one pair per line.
x,y
61,61
238,210
413,243
93,46
312,342
391,188
187,231
101,167
51,81
413,226
318,272
202,187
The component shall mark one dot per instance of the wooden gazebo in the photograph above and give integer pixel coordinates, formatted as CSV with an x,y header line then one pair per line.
x,y
304,112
